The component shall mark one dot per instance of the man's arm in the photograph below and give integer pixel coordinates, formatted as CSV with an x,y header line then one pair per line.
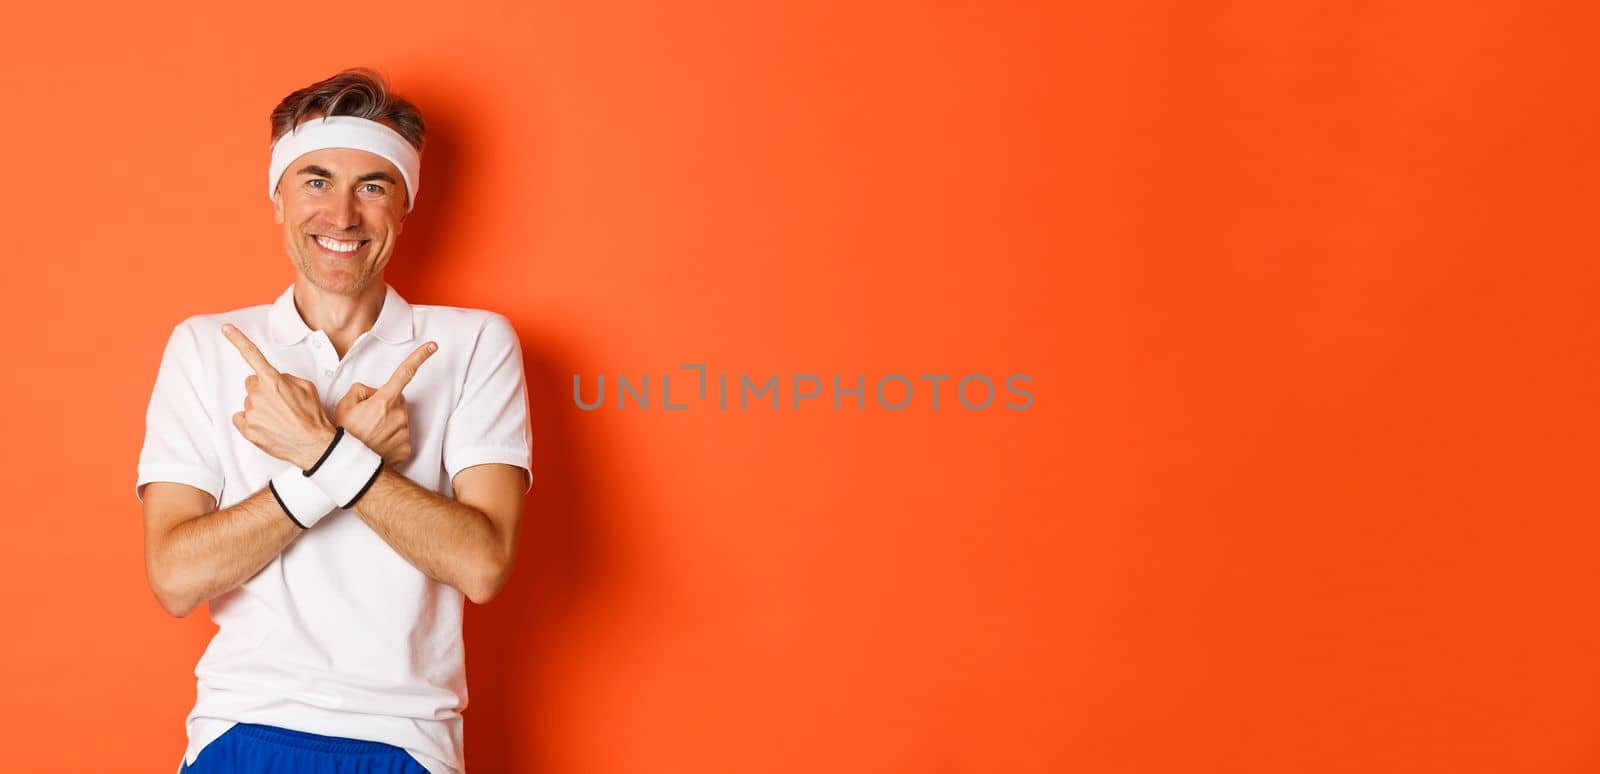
x,y
194,553
468,542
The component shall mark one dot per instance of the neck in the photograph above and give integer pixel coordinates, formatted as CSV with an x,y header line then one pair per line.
x,y
342,317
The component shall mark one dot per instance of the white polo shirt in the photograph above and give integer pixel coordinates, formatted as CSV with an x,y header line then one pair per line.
x,y
339,635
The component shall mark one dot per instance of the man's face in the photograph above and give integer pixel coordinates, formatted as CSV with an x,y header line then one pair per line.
x,y
342,211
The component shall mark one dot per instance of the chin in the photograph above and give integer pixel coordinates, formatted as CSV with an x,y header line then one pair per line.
x,y
336,282
348,286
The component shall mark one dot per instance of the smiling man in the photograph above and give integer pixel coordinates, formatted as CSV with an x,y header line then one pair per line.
x,y
335,471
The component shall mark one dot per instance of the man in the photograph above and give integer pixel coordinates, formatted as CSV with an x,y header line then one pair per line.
x,y
334,471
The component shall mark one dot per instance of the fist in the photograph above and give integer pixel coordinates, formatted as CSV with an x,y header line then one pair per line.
x,y
378,417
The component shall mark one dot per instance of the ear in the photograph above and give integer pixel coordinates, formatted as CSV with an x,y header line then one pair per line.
x,y
277,208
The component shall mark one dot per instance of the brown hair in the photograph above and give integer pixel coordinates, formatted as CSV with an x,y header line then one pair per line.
x,y
358,91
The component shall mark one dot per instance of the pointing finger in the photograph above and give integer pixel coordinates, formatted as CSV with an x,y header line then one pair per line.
x,y
252,355
407,369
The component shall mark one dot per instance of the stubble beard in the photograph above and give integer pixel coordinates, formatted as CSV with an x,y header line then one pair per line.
x,y
359,280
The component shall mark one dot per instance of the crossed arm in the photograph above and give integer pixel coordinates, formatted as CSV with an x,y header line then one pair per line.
x,y
195,552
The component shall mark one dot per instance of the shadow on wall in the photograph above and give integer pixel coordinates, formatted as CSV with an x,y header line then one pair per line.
x,y
447,157
511,640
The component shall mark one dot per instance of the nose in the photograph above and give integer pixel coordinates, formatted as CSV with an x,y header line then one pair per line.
x,y
342,212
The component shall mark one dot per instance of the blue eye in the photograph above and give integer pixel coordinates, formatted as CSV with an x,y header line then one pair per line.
x,y
313,183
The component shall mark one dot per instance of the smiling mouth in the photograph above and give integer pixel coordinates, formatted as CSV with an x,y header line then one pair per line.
x,y
339,246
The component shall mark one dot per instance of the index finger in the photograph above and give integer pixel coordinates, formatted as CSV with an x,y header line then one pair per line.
x,y
407,369
252,355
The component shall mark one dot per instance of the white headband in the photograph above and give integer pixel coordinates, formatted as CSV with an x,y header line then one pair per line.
x,y
346,132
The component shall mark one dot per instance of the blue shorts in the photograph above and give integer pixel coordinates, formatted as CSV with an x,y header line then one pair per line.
x,y
249,748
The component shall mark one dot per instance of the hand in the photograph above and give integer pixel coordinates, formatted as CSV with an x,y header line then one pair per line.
x,y
282,414
378,417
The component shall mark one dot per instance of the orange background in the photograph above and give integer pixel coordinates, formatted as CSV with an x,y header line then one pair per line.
x,y
1305,291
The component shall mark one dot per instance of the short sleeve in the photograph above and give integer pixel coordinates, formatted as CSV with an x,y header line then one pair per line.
x,y
179,435
490,423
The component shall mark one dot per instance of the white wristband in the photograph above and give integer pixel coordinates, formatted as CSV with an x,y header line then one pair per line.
x,y
301,499
346,469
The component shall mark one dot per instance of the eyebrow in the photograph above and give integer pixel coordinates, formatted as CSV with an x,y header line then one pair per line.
x,y
320,171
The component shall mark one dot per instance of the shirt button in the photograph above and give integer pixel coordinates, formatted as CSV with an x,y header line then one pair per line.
x,y
328,372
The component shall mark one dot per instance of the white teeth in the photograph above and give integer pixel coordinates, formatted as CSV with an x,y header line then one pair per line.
x,y
338,246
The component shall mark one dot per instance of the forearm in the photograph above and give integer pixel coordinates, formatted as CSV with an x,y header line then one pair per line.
x,y
447,540
209,555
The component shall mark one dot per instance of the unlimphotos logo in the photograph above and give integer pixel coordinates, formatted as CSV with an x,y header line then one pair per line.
x,y
894,392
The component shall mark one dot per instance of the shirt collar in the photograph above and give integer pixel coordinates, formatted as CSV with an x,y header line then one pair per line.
x,y
393,324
